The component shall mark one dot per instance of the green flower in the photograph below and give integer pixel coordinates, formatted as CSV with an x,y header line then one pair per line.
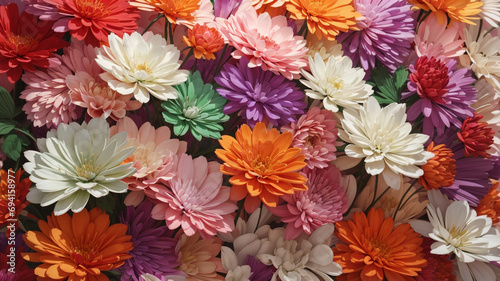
x,y
198,109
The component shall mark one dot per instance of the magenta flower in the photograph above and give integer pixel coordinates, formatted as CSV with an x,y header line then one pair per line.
x,y
324,202
315,133
196,199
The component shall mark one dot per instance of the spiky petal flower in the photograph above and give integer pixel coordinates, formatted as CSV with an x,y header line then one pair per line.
x,y
457,10
336,82
266,42
259,96
12,181
324,202
150,241
476,136
382,137
440,170
76,161
205,41
262,165
197,109
457,229
141,65
385,33
373,249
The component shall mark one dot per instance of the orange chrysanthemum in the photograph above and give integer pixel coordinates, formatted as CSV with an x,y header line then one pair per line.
x,y
272,7
325,18
13,190
490,204
78,248
377,251
205,41
172,9
262,165
440,170
457,10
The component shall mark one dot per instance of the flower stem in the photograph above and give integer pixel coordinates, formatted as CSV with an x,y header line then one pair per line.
x,y
219,64
303,28
402,198
151,23
378,198
479,30
260,214
186,58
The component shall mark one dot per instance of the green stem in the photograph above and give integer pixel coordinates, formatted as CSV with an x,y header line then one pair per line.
x,y
303,28
240,209
186,58
479,31
219,64
260,214
378,198
26,133
375,192
153,22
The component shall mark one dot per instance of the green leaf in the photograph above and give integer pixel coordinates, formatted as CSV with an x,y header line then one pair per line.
x,y
6,126
400,77
6,104
388,88
12,146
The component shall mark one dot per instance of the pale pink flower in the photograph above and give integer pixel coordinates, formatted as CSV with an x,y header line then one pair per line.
x,y
81,57
204,14
267,42
196,199
99,99
435,40
324,202
154,158
315,133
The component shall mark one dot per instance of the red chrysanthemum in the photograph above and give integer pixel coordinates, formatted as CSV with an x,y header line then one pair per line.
x,y
431,77
13,189
439,267
25,43
89,20
476,136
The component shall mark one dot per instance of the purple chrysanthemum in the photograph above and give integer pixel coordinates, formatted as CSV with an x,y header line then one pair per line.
x,y
154,250
472,178
260,271
259,95
445,94
385,33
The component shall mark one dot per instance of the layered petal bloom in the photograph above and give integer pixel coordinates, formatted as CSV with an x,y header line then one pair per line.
x,y
13,190
195,199
324,202
490,204
259,96
488,105
437,40
457,10
205,41
25,49
141,65
325,18
336,82
439,267
385,33
67,251
91,21
324,47
198,258
154,156
154,249
456,228
439,171
306,258
262,165
445,94
373,249
490,12
477,136
268,43
76,161
315,133
381,136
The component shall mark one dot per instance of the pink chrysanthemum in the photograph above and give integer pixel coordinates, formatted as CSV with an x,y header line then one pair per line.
x,y
324,202
99,99
315,133
436,40
196,199
155,157
267,42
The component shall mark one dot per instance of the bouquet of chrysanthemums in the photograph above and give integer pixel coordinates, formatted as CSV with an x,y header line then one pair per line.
x,y
249,140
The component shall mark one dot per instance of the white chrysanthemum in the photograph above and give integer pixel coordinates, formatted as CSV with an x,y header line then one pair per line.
x,y
76,161
483,55
457,229
149,277
381,136
488,105
141,65
336,82
303,259
490,12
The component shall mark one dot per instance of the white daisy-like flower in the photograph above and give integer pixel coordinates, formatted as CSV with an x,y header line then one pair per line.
x,y
336,82
483,55
141,65
457,229
490,12
76,161
488,105
381,136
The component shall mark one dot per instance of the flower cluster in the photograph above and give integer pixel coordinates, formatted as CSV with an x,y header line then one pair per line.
x,y
249,140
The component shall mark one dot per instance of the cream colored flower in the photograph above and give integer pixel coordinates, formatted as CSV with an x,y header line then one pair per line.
x,y
337,83
149,277
490,12
381,136
488,105
141,65
76,161
324,47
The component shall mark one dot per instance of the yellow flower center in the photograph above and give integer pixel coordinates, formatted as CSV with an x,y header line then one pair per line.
x,y
88,170
262,165
21,43
91,8
144,67
380,248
